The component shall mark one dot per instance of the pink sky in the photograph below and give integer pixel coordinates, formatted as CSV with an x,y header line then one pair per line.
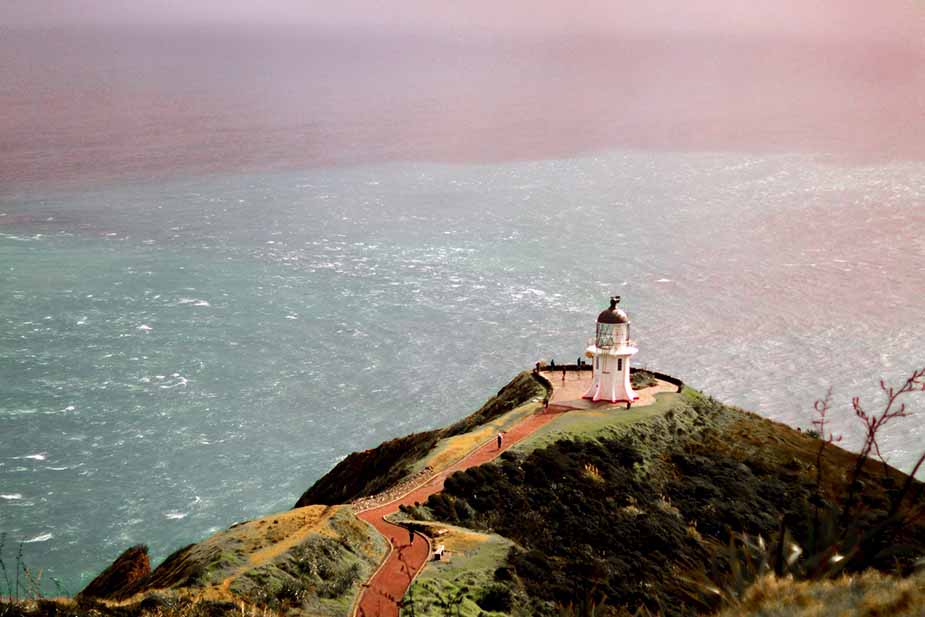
x,y
841,77
891,19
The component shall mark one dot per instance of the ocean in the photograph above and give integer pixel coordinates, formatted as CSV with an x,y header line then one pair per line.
x,y
212,292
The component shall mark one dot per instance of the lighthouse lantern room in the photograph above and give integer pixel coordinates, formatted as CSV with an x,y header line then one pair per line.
x,y
610,351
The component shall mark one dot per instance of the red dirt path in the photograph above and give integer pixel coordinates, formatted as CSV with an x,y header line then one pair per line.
x,y
388,585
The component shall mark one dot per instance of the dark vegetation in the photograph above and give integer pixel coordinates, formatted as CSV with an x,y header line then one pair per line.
x,y
642,379
159,607
366,473
675,516
667,520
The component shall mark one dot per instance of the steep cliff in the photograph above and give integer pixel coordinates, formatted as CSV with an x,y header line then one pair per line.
x,y
371,471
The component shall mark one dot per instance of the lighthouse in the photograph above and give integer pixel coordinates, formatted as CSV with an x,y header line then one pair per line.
x,y
610,351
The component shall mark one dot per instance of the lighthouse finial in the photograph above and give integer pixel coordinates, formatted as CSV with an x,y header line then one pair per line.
x,y
614,300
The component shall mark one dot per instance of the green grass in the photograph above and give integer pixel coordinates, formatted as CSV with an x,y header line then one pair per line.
x,y
471,570
590,424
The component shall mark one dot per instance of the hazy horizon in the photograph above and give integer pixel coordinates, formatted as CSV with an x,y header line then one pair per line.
x,y
90,104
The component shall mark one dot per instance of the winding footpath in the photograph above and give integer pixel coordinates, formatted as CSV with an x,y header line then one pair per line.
x,y
386,588
384,591
388,585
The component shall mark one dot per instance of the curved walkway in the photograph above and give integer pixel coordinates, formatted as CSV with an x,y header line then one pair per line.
x,y
387,586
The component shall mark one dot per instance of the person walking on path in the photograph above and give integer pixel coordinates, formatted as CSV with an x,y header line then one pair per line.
x,y
500,440
563,375
546,403
410,536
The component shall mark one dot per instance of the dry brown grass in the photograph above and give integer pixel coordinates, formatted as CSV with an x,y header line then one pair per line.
x,y
593,473
870,594
452,449
456,539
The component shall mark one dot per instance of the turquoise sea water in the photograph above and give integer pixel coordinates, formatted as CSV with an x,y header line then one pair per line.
x,y
224,265
179,357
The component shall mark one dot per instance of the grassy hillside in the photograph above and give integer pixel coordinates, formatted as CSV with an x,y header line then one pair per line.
x,y
305,562
670,509
659,513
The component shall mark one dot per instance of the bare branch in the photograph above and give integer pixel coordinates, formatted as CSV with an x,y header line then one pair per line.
x,y
874,423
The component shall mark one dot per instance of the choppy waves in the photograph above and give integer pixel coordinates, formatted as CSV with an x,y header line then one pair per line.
x,y
205,365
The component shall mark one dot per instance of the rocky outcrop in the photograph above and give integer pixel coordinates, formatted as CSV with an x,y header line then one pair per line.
x,y
116,581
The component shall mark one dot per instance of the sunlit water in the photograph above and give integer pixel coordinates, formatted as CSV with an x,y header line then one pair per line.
x,y
190,335
176,358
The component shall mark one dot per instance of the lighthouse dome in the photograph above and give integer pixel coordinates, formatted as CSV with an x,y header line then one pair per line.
x,y
613,315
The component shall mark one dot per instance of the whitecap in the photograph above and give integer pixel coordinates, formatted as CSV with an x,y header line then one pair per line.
x,y
69,408
45,537
10,496
145,328
22,412
663,281
39,456
181,381
57,468
292,316
175,515
201,303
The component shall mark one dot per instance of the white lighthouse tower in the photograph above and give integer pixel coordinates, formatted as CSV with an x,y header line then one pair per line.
x,y
610,351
